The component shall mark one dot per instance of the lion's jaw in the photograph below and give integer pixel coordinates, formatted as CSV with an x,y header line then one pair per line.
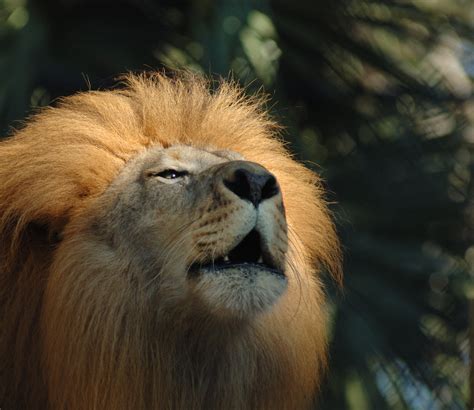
x,y
191,239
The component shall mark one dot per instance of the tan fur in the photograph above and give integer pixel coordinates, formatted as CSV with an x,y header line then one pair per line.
x,y
82,338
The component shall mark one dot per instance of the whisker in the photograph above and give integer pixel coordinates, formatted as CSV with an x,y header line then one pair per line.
x,y
173,244
296,262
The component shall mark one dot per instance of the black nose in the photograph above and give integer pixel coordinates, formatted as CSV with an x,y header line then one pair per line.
x,y
250,181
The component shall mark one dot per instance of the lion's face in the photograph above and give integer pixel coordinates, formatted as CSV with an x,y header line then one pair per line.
x,y
160,249
201,225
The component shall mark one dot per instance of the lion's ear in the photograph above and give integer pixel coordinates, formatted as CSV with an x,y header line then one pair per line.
x,y
36,238
43,233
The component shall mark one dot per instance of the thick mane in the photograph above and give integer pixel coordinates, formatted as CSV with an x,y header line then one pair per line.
x,y
68,155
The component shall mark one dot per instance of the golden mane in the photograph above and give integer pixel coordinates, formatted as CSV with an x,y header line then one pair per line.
x,y
67,156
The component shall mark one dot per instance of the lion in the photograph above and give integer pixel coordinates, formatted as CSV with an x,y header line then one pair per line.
x,y
160,249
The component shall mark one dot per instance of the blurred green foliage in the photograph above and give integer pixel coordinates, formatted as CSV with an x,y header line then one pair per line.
x,y
376,95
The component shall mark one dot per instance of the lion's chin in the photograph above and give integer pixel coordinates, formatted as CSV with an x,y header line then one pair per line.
x,y
240,291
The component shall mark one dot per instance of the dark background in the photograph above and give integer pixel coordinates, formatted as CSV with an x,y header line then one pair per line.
x,y
375,96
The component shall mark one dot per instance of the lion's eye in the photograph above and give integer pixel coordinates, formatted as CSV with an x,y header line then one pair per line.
x,y
168,174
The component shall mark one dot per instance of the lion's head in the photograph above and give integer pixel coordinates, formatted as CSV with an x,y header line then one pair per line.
x,y
160,249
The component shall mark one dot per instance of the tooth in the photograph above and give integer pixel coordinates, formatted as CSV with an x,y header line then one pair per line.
x,y
260,260
226,258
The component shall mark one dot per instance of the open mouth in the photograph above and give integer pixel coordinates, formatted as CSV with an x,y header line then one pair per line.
x,y
247,255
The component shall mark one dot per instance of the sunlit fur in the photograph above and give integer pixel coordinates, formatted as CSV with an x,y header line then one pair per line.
x,y
53,173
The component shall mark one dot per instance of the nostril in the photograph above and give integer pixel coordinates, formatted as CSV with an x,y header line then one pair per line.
x,y
239,184
252,186
270,188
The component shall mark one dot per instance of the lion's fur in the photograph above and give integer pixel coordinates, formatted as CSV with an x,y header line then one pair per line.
x,y
53,169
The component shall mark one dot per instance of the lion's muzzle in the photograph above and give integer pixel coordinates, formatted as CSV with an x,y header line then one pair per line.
x,y
243,271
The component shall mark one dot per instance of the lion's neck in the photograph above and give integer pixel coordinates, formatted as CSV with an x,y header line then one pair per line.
x,y
134,357
217,365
